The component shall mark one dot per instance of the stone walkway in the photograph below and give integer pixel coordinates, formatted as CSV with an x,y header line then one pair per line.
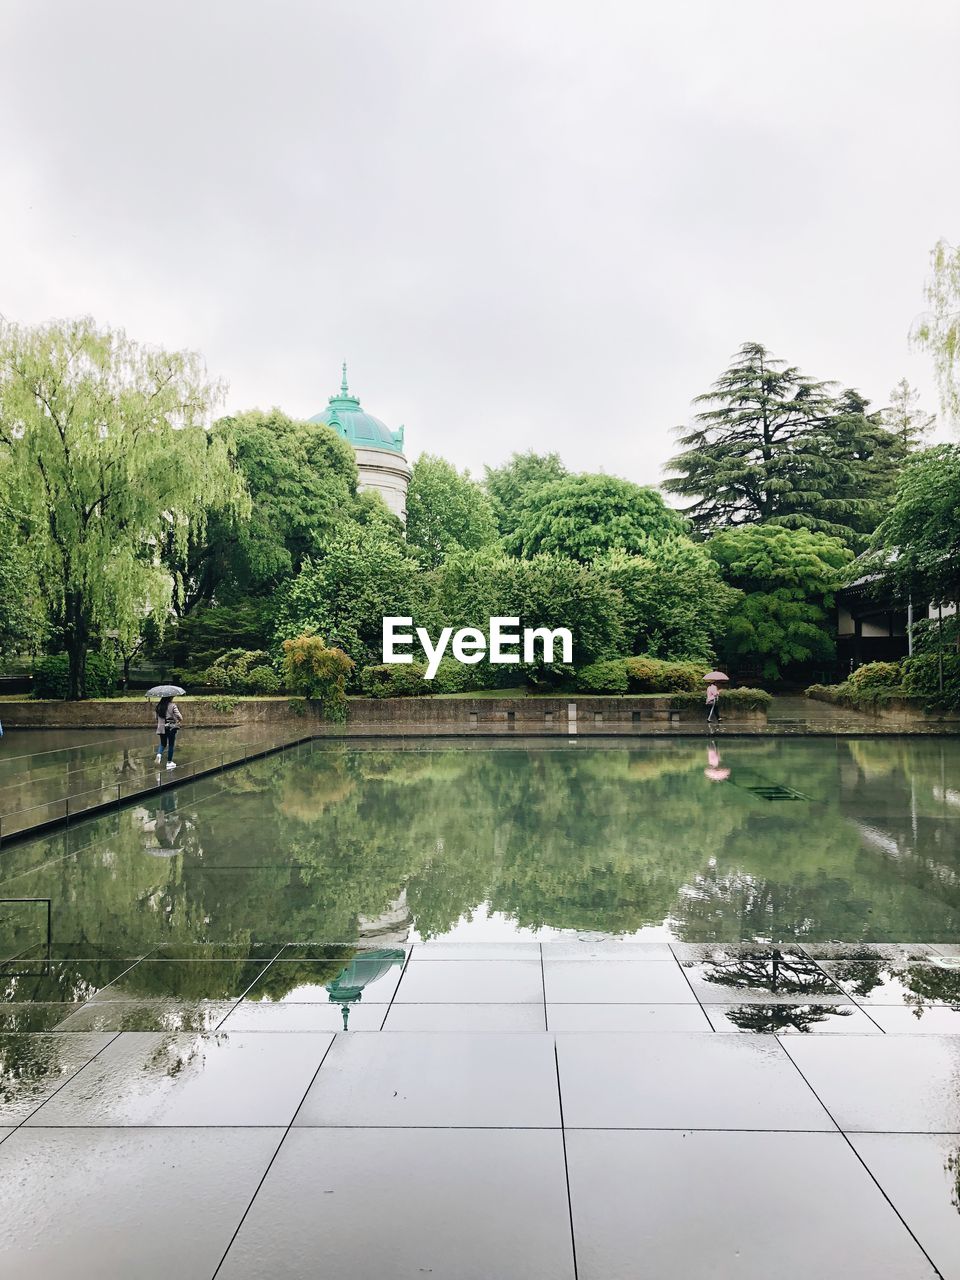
x,y
576,1109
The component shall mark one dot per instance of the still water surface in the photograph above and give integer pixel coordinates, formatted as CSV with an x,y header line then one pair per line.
x,y
767,839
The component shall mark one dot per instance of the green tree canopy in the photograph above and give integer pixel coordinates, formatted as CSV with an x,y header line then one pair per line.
x,y
904,418
918,544
360,575
583,516
772,446
939,330
446,511
21,610
547,591
675,604
105,458
511,486
302,482
788,577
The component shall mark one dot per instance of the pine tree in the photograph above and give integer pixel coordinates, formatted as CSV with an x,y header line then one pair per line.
x,y
904,418
772,446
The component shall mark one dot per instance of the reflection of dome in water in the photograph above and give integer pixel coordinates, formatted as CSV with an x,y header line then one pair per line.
x,y
390,931
366,967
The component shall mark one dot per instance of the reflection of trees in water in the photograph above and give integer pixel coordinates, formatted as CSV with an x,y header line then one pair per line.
x,y
952,1168
780,974
772,1018
923,984
303,847
27,1062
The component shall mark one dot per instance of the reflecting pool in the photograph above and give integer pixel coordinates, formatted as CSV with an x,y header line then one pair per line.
x,y
742,839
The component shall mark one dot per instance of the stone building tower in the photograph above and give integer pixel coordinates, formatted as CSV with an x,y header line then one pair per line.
x,y
380,458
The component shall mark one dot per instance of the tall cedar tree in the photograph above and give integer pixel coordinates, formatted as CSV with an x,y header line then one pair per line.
x,y
772,446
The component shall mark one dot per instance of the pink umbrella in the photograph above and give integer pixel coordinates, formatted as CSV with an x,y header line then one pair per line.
x,y
715,675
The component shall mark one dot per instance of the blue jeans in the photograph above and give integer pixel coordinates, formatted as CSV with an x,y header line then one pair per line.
x,y
167,740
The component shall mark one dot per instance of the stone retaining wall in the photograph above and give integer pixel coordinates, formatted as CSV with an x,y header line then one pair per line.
x,y
900,709
388,715
136,713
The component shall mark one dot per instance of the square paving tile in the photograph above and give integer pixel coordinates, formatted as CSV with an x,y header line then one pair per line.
x,y
465,1017
461,1080
615,982
476,951
605,949
871,982
148,1015
471,981
321,981
721,952
382,1203
884,1084
217,951
626,1017
145,1079
677,1081
34,1017
66,981
184,980
924,1020
343,951
33,1066
896,951
265,1015
149,1203
792,1019
761,981
708,1206
919,1172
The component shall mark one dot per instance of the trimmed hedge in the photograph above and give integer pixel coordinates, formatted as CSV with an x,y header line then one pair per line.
x,y
51,676
875,675
730,700
408,680
243,671
641,675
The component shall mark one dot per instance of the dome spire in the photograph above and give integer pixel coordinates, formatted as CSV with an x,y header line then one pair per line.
x,y
344,389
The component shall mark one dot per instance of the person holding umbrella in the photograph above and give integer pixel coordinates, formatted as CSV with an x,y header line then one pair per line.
x,y
713,695
169,719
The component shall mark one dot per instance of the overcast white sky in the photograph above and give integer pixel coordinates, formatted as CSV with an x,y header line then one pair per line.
x,y
524,223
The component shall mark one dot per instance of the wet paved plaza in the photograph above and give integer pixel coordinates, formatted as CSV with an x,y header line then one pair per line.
x,y
493,1013
592,1109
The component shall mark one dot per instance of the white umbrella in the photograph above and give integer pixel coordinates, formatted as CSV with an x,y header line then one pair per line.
x,y
164,691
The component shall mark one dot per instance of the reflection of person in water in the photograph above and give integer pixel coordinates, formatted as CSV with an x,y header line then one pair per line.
x,y
715,770
172,830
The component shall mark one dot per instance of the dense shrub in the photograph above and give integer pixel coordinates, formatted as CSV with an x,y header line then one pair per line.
x,y
921,675
640,675
652,675
51,676
198,640
604,677
243,671
875,675
387,680
318,672
731,700
408,680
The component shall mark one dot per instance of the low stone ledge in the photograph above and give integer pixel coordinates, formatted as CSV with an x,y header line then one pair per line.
x,y
383,715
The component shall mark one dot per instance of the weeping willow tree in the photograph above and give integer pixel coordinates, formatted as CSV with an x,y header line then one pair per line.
x,y
938,331
104,455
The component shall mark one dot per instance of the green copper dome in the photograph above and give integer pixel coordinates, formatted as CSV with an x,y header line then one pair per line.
x,y
362,430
